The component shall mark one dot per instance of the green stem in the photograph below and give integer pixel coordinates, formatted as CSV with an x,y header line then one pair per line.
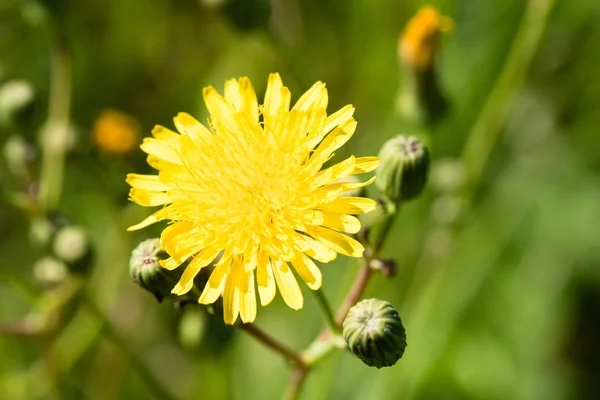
x,y
323,303
487,128
298,378
356,291
388,219
330,340
313,355
54,136
156,387
273,344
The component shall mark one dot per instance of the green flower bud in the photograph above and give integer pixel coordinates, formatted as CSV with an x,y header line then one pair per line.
x,y
16,102
18,153
374,333
147,272
402,172
71,245
49,271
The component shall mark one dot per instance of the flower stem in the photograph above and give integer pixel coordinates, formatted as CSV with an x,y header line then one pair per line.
x,y
358,288
330,340
273,344
54,136
386,224
148,377
327,312
298,378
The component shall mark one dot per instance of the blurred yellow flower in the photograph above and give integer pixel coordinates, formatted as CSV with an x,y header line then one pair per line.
x,y
253,188
418,42
116,132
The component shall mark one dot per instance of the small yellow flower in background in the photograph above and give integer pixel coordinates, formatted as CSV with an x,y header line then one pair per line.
x,y
116,132
253,188
418,42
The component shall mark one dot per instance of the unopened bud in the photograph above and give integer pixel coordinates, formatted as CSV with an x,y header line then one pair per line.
x,y
374,333
16,101
418,43
403,166
49,271
18,153
70,244
147,272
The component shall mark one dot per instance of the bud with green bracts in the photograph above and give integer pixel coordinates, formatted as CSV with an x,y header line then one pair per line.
x,y
17,103
402,172
374,333
147,272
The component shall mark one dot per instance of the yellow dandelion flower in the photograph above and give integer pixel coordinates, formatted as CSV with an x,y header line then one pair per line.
x,y
116,132
417,44
253,189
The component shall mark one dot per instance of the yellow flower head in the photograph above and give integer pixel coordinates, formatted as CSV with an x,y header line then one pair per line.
x,y
116,132
253,187
418,42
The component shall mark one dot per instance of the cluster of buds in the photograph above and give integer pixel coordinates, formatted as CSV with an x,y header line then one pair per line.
x,y
372,329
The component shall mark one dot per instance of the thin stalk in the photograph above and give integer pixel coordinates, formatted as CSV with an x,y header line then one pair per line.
x,y
487,128
388,221
54,135
357,290
327,312
273,344
154,384
295,386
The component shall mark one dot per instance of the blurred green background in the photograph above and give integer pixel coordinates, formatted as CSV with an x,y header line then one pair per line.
x,y
498,282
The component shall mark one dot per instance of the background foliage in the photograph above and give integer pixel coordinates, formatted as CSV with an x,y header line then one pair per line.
x,y
498,281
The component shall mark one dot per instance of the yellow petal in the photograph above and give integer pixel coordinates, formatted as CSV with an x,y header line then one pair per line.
x,y
172,236
277,96
314,248
164,134
337,138
337,241
188,125
201,260
287,284
152,219
335,172
339,117
346,186
214,286
161,149
341,222
170,263
365,164
231,294
248,299
265,280
147,182
315,97
149,198
241,94
221,112
308,271
350,205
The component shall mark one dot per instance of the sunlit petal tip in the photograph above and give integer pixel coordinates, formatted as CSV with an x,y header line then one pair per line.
x,y
208,90
169,263
274,77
